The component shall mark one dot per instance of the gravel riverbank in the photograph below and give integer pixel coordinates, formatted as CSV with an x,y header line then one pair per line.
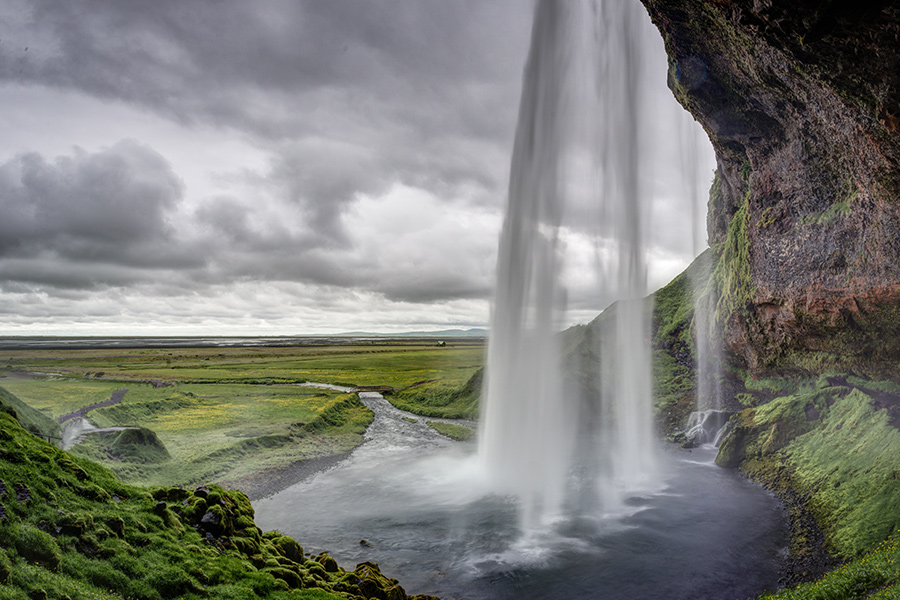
x,y
271,481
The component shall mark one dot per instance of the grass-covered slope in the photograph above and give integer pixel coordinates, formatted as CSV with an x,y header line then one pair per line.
x,y
31,419
873,576
442,398
238,432
70,530
197,433
836,443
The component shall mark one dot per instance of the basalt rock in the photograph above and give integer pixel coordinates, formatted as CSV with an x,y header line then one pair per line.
x,y
801,100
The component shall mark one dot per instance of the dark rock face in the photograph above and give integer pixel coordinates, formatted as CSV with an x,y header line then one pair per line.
x,y
801,100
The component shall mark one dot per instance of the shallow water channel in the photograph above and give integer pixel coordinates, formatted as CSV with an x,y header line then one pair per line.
x,y
411,501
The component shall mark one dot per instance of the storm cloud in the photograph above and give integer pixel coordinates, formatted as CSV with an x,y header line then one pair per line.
x,y
267,167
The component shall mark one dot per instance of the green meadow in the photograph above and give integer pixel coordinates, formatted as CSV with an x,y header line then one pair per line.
x,y
397,364
228,414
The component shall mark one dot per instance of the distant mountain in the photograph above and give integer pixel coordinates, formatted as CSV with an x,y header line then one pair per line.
x,y
444,333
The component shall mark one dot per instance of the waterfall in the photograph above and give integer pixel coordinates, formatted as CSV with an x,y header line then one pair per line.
x,y
525,418
579,164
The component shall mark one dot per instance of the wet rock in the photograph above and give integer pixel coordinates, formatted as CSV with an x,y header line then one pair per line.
x,y
212,523
370,583
23,494
703,426
811,412
800,101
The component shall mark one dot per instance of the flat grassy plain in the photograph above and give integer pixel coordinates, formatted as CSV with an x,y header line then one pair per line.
x,y
226,414
391,363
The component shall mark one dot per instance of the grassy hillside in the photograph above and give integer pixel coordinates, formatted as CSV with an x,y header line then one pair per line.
x,y
227,415
31,419
835,441
448,398
71,530
193,434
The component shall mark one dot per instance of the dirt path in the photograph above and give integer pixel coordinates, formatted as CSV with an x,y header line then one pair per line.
x,y
114,399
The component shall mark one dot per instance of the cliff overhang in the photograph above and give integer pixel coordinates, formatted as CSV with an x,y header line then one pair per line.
x,y
801,101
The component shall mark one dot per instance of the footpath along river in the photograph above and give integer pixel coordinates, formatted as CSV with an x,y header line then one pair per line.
x,y
412,501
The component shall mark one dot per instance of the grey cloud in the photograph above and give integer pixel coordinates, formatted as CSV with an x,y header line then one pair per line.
x,y
111,207
181,57
340,101
322,177
435,287
347,98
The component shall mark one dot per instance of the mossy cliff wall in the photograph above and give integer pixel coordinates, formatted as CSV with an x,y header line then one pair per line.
x,y
802,104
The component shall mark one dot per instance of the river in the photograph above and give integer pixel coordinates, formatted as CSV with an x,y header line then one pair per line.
x,y
412,501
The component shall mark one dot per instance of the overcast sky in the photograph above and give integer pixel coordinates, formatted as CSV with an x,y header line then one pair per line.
x,y
269,167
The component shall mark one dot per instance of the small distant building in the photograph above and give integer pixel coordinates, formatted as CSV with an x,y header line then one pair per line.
x,y
441,344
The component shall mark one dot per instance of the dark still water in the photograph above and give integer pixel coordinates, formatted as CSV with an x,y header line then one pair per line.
x,y
417,501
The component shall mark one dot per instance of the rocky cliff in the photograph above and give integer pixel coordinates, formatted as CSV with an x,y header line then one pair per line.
x,y
800,99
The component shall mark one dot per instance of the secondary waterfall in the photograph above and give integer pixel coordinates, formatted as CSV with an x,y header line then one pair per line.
x,y
578,164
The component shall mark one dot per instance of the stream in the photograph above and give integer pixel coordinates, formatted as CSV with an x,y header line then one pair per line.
x,y
413,501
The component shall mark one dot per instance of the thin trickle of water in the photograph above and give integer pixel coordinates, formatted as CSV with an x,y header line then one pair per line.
x,y
707,345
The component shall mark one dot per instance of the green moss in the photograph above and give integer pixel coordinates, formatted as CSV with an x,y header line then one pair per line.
x,y
36,546
835,211
747,400
850,465
5,567
874,575
840,449
732,271
767,218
